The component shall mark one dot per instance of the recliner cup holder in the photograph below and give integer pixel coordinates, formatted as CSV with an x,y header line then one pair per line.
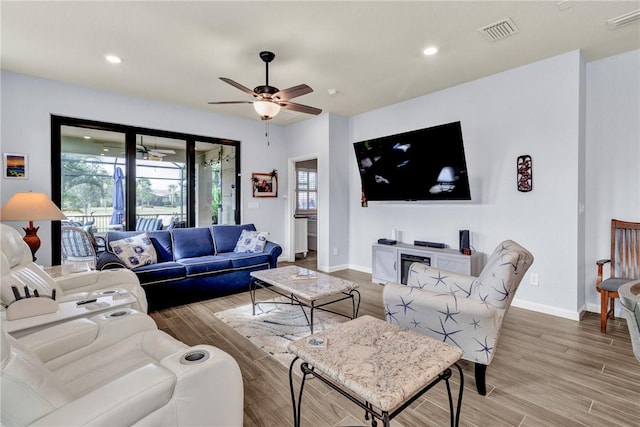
x,y
119,313
195,356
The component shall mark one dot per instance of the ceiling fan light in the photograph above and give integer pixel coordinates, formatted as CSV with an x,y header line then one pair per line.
x,y
266,109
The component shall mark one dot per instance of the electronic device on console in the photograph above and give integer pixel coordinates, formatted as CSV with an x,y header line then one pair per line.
x,y
429,244
387,241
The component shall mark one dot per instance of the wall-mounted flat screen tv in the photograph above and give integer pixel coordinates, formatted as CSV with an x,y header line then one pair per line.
x,y
425,164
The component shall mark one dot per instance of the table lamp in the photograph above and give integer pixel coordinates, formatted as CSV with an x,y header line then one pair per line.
x,y
30,207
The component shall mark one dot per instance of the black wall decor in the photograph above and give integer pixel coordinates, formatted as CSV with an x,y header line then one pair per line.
x,y
524,173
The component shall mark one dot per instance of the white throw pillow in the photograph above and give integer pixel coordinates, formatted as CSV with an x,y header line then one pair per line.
x,y
135,251
251,242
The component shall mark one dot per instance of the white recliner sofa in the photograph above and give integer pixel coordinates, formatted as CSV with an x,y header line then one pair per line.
x,y
18,269
116,369
464,311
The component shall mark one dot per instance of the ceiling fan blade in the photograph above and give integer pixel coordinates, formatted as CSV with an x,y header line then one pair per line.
x,y
292,92
299,107
157,153
232,102
239,86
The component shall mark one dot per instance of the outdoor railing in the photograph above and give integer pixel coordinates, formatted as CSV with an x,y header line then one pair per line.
x,y
101,222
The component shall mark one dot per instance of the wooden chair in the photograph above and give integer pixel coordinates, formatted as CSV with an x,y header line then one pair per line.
x,y
624,266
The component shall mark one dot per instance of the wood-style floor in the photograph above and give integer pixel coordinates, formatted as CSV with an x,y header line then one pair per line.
x,y
547,371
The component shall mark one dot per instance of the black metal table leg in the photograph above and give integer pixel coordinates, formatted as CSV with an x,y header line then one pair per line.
x,y
297,417
355,307
252,292
455,415
313,304
460,391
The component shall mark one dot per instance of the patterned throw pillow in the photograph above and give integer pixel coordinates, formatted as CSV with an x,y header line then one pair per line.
x,y
251,242
135,251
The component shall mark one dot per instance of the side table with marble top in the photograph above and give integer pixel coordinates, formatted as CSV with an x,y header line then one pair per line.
x,y
380,367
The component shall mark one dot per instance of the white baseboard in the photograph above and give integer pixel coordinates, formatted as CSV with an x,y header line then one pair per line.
x,y
527,305
595,308
325,269
359,268
546,309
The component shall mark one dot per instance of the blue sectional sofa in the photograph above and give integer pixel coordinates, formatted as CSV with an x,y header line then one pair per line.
x,y
193,263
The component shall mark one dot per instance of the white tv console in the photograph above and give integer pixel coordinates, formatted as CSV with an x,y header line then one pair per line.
x,y
391,262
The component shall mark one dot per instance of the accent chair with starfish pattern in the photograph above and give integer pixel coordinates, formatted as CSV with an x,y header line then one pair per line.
x,y
464,311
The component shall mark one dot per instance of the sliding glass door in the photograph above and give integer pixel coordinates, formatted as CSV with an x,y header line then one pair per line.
x,y
216,184
88,161
114,177
161,180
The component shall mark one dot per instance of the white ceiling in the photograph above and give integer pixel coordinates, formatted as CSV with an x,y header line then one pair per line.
x,y
369,51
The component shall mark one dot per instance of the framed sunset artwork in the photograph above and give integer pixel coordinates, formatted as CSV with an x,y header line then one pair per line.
x,y
15,166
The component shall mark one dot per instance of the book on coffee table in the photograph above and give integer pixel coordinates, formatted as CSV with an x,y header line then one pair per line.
x,y
315,342
304,274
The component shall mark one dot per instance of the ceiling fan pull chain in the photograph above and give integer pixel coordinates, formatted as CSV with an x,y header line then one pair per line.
x,y
266,132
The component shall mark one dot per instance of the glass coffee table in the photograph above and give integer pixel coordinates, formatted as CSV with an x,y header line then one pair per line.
x,y
306,288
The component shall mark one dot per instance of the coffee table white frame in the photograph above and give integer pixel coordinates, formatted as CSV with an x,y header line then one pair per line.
x,y
402,365
305,292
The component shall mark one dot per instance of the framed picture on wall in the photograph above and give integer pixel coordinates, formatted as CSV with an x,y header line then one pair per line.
x,y
15,166
265,184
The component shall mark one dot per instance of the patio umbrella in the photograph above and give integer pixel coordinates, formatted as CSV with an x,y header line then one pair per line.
x,y
118,197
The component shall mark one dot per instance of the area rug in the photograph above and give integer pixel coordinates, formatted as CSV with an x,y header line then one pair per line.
x,y
275,325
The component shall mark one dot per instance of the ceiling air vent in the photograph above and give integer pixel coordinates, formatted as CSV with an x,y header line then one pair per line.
x,y
625,19
499,30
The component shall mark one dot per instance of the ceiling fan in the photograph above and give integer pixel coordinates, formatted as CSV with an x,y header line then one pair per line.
x,y
155,152
270,99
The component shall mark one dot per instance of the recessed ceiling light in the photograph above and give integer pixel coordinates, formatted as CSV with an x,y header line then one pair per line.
x,y
86,137
105,149
430,51
114,59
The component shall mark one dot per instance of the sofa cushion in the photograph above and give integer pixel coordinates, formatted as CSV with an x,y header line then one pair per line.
x,y
206,265
162,272
161,242
251,242
226,236
135,251
192,242
248,260
148,224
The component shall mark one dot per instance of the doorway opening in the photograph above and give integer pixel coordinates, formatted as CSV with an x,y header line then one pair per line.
x,y
305,211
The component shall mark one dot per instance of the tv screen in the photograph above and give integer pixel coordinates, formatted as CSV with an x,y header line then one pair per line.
x,y
425,164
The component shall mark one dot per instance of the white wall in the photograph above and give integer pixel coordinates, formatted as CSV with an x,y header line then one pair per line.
x,y
325,138
28,103
533,110
538,109
308,139
612,156
339,149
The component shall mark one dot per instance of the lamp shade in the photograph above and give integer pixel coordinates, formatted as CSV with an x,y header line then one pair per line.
x,y
266,109
30,207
